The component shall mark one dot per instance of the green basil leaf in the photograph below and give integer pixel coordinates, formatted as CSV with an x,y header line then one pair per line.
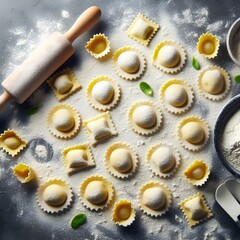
x,y
78,220
32,110
237,78
145,88
195,63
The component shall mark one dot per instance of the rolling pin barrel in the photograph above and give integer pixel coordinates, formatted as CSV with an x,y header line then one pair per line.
x,y
45,60
41,63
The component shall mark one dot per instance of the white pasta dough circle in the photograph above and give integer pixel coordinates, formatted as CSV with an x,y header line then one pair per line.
x,y
176,95
213,81
193,132
168,56
154,198
103,92
163,159
129,61
96,192
145,117
121,160
54,195
63,120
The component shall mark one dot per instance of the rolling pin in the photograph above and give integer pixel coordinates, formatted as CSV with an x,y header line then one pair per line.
x,y
45,60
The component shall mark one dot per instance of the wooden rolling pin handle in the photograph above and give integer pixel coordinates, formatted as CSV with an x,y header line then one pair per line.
x,y
4,99
86,21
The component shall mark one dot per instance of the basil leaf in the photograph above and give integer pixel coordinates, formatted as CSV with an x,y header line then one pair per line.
x,y
78,220
32,110
237,78
195,63
145,88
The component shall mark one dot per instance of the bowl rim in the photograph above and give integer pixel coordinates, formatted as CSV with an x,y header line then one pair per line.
x,y
230,34
223,117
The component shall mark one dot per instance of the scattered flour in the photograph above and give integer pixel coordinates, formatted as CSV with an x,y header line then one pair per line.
x,y
65,14
27,41
216,26
198,17
41,151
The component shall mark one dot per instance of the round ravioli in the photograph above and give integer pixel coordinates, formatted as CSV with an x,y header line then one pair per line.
x,y
154,198
121,160
103,93
96,192
144,117
54,196
193,133
123,213
197,173
129,63
169,57
163,159
64,121
208,45
214,83
176,96
98,46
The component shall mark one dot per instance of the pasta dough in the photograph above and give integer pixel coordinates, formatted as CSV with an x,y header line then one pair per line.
x,y
63,120
168,56
144,116
54,195
103,92
129,61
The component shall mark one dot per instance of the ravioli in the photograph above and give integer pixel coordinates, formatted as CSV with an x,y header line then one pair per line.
x,y
142,29
96,192
103,93
54,196
195,209
154,198
121,160
144,117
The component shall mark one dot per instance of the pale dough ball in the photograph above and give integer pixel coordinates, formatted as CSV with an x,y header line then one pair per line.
x,y
213,82
154,198
77,158
197,212
103,92
129,61
197,173
168,56
63,84
96,192
63,120
163,159
176,95
145,116
121,160
124,213
12,142
193,132
54,195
